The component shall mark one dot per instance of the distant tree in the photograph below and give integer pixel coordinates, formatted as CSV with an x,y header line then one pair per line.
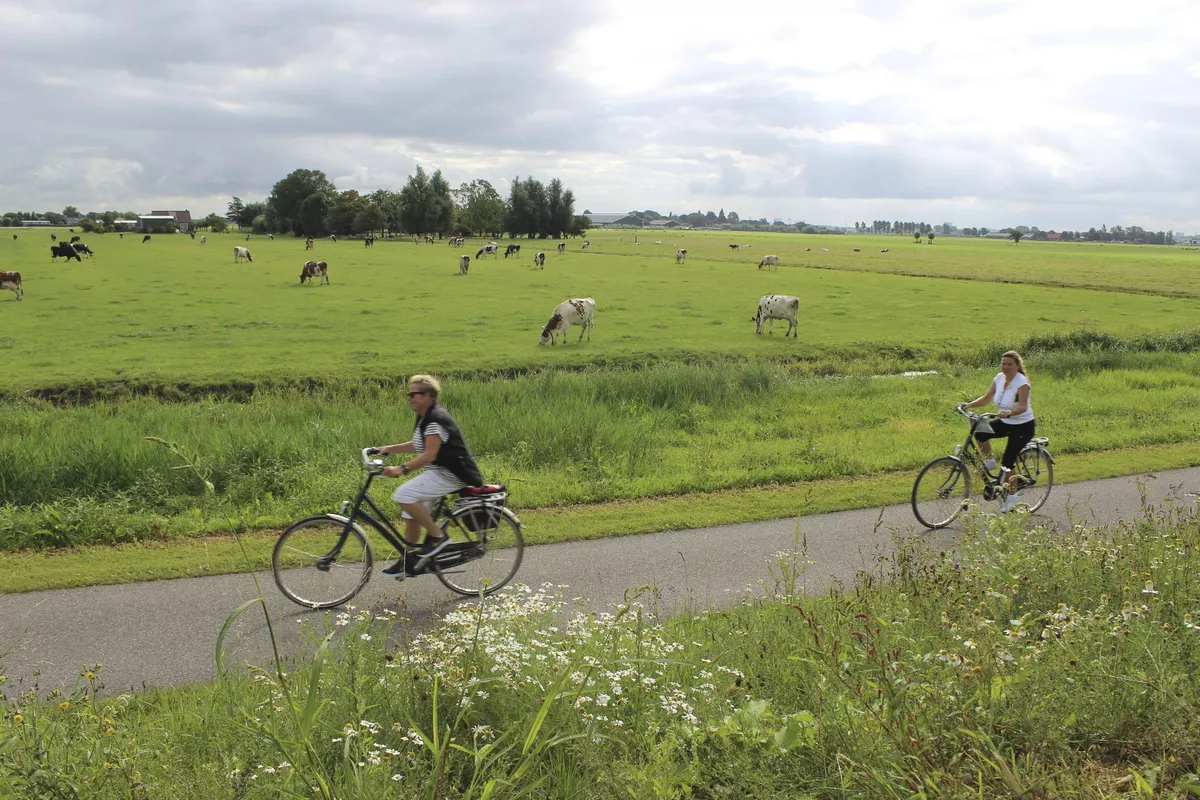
x,y
917,236
343,208
236,209
289,196
439,213
89,225
311,216
481,209
721,218
1015,234
370,218
215,222
251,212
733,217
930,236
580,225
71,211
414,202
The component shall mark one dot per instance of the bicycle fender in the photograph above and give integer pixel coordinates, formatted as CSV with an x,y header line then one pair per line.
x,y
346,521
1049,455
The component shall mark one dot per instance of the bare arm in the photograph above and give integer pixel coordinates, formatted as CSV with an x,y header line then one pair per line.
x,y
406,447
433,444
982,400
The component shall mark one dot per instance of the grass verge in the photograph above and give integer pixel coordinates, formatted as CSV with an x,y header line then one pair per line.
x,y
215,555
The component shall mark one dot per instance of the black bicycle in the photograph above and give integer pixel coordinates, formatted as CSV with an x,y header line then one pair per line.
x,y
324,561
943,488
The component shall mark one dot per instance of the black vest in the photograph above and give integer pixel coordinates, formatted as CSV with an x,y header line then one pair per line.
x,y
453,454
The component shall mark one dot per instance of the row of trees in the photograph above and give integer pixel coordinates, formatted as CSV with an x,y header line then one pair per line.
x,y
306,203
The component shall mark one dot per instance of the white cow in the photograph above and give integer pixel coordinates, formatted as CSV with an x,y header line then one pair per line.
x,y
11,280
777,306
680,256
562,247
769,261
486,249
203,240
464,264
570,312
539,260
586,245
241,252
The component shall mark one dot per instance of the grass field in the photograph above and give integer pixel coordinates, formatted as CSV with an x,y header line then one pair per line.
x,y
173,310
268,387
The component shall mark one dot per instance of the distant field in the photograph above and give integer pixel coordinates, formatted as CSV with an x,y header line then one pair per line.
x,y
174,310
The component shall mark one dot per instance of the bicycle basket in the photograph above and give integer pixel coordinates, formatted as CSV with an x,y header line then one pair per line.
x,y
482,514
982,426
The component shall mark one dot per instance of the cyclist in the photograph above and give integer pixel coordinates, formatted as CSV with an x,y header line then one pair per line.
x,y
448,466
1010,392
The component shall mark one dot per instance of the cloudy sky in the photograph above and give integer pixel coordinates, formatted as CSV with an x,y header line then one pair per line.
x,y
1057,113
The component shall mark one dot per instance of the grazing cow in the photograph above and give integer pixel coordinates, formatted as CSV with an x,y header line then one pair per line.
x,y
857,250
11,280
428,239
680,256
539,260
777,306
53,238
308,245
241,252
14,237
562,247
580,312
120,236
486,249
192,234
333,239
145,238
315,269
769,261
271,236
658,242
368,241
512,250
203,240
586,245
733,247
80,247
808,249
884,250
63,250
247,237
464,264
824,249
74,239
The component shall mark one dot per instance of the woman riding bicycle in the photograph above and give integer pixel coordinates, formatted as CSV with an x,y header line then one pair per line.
x,y
1010,392
449,466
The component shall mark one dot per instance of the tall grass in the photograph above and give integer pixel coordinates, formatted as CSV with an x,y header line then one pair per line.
x,y
75,475
1029,663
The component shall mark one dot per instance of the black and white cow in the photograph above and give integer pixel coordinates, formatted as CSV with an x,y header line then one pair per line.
x,y
309,244
680,256
11,280
315,269
333,238
586,245
580,312
512,250
733,247
769,261
63,250
203,240
487,249
539,260
562,247
242,252
145,238
80,247
368,241
74,239
464,264
777,306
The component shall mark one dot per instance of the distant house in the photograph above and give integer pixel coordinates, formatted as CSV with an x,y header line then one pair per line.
x,y
26,223
125,223
183,219
1053,236
150,223
666,223
618,220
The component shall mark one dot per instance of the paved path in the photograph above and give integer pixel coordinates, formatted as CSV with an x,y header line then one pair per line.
x,y
164,633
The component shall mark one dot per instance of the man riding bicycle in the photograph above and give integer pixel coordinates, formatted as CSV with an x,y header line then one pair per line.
x,y
448,466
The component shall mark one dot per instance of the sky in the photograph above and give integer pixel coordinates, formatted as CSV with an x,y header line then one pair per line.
x,y
1064,114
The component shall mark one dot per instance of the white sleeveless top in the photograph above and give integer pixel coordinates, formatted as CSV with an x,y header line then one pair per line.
x,y
1005,399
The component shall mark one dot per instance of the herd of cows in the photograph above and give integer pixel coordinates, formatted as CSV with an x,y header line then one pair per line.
x,y
579,311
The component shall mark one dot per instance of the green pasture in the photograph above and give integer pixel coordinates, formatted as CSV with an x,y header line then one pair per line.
x,y
175,311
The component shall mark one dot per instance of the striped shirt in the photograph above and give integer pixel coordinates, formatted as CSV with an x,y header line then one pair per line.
x,y
432,429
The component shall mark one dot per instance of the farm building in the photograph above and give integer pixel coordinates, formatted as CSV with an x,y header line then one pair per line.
x,y
617,220
183,219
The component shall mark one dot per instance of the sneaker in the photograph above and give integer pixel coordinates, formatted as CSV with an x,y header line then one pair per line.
x,y
990,464
395,569
1010,502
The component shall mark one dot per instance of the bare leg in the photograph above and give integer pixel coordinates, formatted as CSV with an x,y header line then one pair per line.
x,y
421,518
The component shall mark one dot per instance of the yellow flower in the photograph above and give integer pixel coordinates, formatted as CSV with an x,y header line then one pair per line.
x,y
64,706
111,731
91,676
17,718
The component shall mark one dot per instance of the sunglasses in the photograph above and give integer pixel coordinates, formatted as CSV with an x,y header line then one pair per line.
x,y
414,394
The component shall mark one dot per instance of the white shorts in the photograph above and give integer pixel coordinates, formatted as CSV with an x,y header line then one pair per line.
x,y
426,488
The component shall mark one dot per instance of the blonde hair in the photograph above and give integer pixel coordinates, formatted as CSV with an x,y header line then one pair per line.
x,y
427,382
1014,355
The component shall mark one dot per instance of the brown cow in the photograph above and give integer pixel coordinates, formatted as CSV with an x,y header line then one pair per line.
x,y
11,280
314,269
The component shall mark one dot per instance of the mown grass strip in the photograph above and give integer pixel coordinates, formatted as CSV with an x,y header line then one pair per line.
x,y
216,555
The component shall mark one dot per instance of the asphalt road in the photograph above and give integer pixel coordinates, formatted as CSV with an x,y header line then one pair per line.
x,y
164,633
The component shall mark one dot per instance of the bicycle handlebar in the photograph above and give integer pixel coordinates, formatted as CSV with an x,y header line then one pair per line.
x,y
973,417
372,464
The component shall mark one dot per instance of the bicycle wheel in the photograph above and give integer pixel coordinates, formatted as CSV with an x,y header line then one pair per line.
x,y
485,551
1035,477
941,492
321,562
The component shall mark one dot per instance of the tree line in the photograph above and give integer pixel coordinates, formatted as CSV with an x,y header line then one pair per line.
x,y
306,203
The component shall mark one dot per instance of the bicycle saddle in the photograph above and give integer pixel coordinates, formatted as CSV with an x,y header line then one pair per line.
x,y
475,491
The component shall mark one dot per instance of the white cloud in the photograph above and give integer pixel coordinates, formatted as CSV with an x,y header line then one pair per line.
x,y
1069,114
